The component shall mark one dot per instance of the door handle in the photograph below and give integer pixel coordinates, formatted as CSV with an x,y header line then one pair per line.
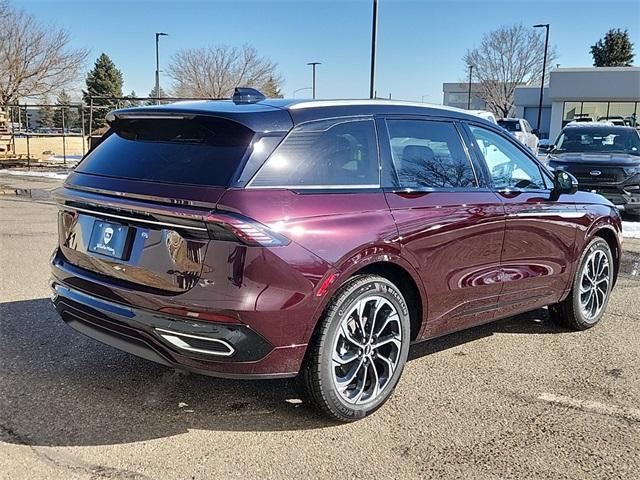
x,y
509,191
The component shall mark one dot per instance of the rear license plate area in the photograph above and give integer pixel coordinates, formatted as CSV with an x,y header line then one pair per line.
x,y
110,239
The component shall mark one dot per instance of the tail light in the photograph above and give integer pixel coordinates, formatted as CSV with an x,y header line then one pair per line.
x,y
229,226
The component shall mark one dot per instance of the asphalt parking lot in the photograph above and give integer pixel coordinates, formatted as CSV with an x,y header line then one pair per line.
x,y
519,398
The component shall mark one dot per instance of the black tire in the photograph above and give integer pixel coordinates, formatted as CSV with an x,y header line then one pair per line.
x,y
569,312
317,374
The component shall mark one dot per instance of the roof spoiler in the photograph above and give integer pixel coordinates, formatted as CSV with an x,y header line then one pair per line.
x,y
145,115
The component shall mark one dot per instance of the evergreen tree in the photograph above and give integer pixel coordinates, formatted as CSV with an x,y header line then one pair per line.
x,y
71,115
45,114
153,94
105,80
271,89
614,50
132,103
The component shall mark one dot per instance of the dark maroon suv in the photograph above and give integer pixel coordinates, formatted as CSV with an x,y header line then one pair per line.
x,y
278,238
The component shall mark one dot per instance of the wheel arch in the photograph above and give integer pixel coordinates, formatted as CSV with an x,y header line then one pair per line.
x,y
392,267
610,236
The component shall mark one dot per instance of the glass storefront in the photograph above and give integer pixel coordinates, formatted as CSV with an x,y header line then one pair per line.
x,y
596,111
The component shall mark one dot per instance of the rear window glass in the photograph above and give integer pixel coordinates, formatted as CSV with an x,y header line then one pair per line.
x,y
511,125
329,153
196,151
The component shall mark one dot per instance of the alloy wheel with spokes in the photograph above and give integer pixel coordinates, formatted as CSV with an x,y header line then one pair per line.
x,y
359,350
366,349
594,284
586,303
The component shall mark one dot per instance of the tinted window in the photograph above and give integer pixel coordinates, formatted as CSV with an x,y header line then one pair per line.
x,y
511,125
198,151
330,153
604,140
429,155
508,165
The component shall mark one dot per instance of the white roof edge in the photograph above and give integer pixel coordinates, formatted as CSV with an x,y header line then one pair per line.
x,y
366,102
596,69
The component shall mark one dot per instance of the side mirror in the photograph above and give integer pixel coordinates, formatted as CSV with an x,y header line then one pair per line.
x,y
563,183
536,132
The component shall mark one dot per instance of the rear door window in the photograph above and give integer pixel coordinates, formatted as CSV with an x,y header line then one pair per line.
x,y
429,155
338,153
196,151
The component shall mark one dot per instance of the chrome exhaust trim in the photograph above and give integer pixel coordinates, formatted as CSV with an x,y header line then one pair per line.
x,y
181,341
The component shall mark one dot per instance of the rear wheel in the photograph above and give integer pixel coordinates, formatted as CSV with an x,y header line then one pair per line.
x,y
585,305
359,350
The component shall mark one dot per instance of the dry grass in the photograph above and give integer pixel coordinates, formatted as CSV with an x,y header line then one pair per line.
x,y
41,148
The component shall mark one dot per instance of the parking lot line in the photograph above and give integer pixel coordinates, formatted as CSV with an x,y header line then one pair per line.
x,y
632,414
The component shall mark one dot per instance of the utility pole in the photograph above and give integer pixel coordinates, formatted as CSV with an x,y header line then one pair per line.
x,y
313,77
158,35
374,34
544,66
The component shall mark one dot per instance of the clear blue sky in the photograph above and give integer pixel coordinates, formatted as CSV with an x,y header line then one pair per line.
x,y
421,43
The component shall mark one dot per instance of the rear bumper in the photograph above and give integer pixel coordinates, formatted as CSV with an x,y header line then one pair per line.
x,y
221,350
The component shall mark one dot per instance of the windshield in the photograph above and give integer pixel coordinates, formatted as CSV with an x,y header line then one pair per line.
x,y
511,125
600,140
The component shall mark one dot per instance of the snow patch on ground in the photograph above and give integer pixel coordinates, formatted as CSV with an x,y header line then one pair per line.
x,y
631,229
71,159
61,175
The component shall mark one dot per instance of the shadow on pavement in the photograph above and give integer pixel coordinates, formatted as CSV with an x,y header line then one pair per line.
x,y
62,389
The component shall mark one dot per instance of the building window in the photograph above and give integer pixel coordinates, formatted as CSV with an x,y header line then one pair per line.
x,y
627,110
460,97
571,110
596,111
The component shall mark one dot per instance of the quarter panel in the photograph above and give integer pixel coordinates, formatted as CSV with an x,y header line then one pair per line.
x,y
330,225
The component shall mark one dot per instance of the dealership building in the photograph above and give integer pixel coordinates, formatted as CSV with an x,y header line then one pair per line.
x,y
595,93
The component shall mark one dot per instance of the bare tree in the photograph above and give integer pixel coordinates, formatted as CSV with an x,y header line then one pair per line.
x,y
214,72
506,58
35,59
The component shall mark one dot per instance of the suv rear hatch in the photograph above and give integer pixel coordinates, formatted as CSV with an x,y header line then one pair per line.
x,y
139,209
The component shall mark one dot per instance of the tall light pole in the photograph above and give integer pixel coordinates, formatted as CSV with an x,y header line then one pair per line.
x,y
374,36
158,35
469,97
544,66
313,77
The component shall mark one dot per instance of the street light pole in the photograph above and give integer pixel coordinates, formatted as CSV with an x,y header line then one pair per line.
x,y
158,35
544,66
313,77
374,36
469,96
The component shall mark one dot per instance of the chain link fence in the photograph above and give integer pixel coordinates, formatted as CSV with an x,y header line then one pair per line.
x,y
60,135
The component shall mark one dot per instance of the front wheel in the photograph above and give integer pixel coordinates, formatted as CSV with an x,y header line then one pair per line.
x,y
585,305
359,350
